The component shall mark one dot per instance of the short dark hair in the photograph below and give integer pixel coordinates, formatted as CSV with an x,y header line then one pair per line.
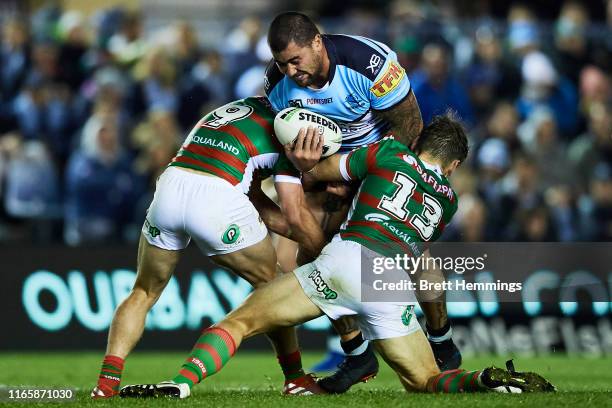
x,y
444,138
291,26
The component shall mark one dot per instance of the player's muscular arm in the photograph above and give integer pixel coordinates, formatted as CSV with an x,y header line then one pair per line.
x,y
304,228
326,170
269,211
405,120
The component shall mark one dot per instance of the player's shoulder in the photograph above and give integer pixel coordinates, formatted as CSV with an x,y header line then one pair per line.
x,y
360,54
272,78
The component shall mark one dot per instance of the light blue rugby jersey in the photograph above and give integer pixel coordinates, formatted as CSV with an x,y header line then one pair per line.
x,y
364,75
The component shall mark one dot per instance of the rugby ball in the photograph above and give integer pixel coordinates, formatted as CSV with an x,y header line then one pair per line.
x,y
288,123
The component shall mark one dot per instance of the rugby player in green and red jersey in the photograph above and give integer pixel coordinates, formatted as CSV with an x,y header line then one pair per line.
x,y
202,195
411,193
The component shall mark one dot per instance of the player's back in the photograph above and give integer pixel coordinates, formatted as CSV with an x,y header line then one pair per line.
x,y
402,201
233,141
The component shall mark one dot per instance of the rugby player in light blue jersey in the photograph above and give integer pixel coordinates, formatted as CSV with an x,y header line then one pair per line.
x,y
359,83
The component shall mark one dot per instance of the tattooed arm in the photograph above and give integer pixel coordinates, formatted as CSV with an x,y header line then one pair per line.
x,y
405,120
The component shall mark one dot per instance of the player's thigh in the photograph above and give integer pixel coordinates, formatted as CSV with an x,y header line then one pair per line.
x,y
256,263
227,228
410,357
155,267
279,303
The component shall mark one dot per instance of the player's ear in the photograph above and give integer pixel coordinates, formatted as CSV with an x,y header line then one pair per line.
x,y
451,167
317,42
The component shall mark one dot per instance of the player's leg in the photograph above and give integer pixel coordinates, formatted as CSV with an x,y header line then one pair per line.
x,y
413,361
155,267
257,264
359,363
231,232
158,253
280,303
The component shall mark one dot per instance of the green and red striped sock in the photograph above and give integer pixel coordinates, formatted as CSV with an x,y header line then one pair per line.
x,y
291,364
213,349
453,381
110,374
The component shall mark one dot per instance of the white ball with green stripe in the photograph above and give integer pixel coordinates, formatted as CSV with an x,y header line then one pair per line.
x,y
288,123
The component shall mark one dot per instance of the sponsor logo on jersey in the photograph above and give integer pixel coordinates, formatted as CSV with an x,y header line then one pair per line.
x,y
207,141
319,101
295,103
375,62
389,80
376,217
318,120
354,101
407,315
151,229
322,286
231,234
429,179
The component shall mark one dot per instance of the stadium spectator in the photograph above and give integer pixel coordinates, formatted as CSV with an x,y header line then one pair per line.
x,y
539,137
543,87
596,207
436,88
14,58
572,47
593,146
100,186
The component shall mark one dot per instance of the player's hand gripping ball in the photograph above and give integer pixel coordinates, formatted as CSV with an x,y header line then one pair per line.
x,y
288,123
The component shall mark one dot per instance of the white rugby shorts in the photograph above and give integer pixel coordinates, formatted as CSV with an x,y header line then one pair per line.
x,y
186,205
333,283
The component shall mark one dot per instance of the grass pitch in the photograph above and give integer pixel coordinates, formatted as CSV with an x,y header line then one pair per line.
x,y
254,379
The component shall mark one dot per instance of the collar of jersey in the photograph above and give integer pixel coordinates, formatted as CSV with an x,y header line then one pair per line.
x,y
433,167
330,47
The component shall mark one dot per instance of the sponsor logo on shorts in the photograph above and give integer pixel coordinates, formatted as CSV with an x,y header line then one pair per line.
x,y
151,229
200,365
322,286
231,234
407,315
389,80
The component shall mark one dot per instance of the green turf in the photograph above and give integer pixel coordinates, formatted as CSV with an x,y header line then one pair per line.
x,y
254,380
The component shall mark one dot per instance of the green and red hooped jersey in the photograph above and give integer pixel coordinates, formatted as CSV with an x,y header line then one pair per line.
x,y
402,202
233,141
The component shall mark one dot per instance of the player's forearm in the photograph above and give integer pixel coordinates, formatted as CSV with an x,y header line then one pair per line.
x,y
306,231
270,213
405,120
325,170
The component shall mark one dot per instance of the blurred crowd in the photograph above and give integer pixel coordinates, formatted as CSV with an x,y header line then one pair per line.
x,y
93,108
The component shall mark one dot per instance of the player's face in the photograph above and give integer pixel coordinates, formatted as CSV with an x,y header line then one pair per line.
x,y
303,64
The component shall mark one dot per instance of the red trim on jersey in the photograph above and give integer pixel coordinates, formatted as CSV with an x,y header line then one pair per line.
x,y
368,199
212,169
382,230
356,234
265,124
371,156
384,173
242,138
217,154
